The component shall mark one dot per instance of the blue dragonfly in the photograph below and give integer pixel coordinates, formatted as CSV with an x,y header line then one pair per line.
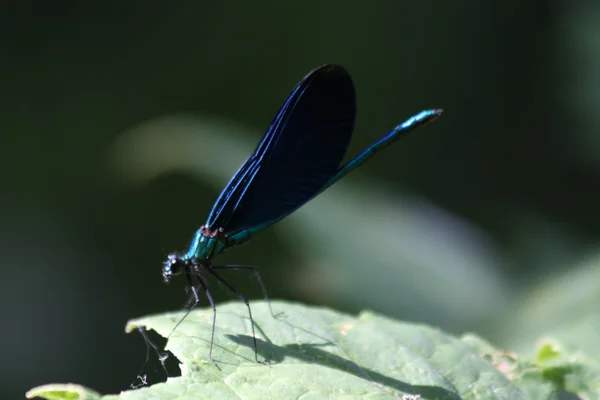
x,y
298,157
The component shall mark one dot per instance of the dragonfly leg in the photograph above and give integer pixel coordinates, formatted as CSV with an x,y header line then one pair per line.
x,y
245,301
193,298
191,303
235,267
202,285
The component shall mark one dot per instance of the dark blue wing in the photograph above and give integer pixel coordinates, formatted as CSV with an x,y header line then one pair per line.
x,y
300,152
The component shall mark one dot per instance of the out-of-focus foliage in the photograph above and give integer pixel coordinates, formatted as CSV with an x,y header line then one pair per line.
x,y
121,121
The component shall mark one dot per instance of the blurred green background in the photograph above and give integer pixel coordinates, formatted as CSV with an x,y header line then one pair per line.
x,y
121,122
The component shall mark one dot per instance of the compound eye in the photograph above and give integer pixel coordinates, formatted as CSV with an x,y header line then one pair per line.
x,y
172,266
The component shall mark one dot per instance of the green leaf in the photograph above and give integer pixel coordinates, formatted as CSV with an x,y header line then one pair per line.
x,y
316,353
565,308
553,370
60,391
571,372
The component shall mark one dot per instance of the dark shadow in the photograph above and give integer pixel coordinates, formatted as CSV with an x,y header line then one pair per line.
x,y
168,362
226,350
311,354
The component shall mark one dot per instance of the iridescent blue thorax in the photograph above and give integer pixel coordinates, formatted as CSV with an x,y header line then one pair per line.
x,y
206,244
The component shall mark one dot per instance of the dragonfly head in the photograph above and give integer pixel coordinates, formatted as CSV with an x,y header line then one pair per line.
x,y
173,266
